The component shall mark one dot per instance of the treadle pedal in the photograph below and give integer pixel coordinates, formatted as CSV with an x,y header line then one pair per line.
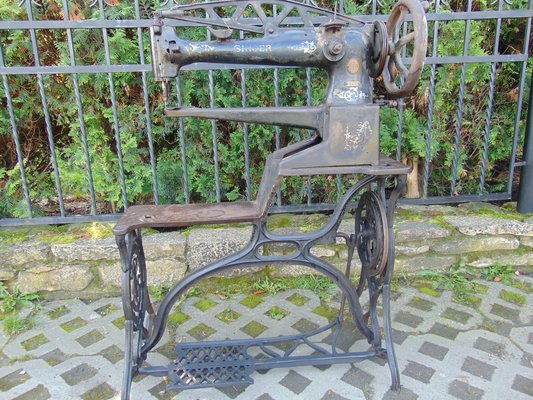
x,y
210,364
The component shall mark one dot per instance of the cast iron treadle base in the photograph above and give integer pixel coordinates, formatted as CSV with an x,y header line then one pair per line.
x,y
210,364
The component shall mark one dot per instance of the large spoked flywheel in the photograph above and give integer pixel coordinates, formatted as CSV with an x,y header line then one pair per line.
x,y
371,230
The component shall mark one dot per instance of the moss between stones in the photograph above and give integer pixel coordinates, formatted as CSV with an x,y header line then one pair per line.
x,y
326,312
512,297
106,310
120,322
297,299
100,392
254,329
470,301
73,324
177,318
58,312
201,331
277,313
205,304
34,342
524,286
505,214
228,315
251,301
440,221
404,214
279,221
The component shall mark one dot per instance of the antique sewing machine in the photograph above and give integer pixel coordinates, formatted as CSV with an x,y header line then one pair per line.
x,y
283,33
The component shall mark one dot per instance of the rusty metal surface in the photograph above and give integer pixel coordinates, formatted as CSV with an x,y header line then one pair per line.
x,y
180,215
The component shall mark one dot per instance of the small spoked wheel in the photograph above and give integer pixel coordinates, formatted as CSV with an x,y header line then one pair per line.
x,y
138,310
372,234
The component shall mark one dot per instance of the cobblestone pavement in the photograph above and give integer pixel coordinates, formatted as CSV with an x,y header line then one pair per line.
x,y
445,350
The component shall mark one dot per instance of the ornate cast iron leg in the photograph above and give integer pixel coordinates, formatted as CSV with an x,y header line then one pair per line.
x,y
138,309
391,355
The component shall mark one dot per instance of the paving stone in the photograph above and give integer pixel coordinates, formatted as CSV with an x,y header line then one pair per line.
x,y
479,225
348,335
418,371
456,315
506,312
68,278
90,338
37,393
113,354
13,379
523,384
406,318
101,392
398,337
295,382
54,357
402,394
478,368
464,391
421,304
445,331
419,231
358,378
304,325
79,373
331,395
463,245
433,350
489,346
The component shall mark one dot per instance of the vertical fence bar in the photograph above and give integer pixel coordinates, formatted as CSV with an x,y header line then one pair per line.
x,y
214,134
183,148
116,126
492,84
79,104
16,139
47,120
525,194
277,128
147,106
459,116
519,101
431,100
309,132
245,138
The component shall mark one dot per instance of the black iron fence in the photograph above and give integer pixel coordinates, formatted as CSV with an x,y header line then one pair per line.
x,y
83,135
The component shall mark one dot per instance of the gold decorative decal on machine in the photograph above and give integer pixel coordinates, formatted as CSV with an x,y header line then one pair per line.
x,y
350,94
357,138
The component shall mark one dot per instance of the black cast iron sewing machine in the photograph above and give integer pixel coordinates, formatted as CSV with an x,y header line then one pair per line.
x,y
283,33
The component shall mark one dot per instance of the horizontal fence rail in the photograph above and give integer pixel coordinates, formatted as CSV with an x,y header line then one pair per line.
x,y
84,134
